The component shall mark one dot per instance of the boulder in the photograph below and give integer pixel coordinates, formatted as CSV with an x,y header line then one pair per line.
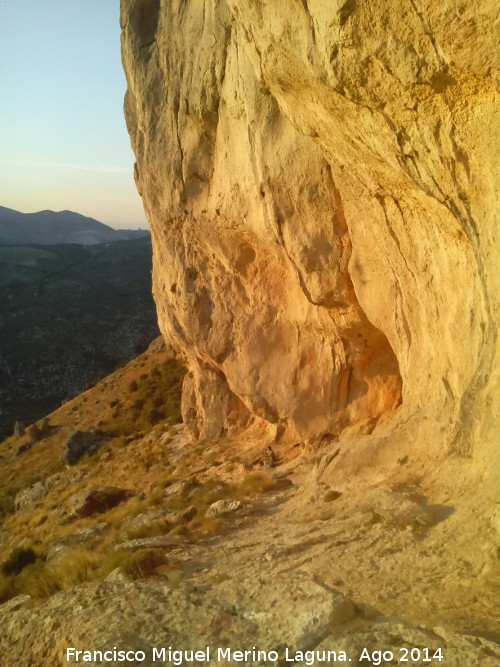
x,y
81,443
144,520
403,511
58,551
188,514
99,499
46,427
91,532
84,536
158,518
19,429
54,479
222,507
14,604
35,433
118,574
28,498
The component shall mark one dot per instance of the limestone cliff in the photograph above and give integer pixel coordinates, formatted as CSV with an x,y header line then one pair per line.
x,y
319,177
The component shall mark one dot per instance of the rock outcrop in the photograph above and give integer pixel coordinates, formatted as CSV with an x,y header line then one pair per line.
x,y
291,616
29,497
82,443
19,429
320,183
99,499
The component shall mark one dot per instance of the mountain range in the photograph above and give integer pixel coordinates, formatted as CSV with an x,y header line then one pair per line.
x,y
55,227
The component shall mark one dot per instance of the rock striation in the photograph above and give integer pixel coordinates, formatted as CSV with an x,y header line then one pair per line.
x,y
320,183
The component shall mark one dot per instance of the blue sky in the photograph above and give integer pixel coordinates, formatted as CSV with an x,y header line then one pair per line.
x,y
63,140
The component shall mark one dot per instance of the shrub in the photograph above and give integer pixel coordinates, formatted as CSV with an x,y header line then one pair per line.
x,y
6,504
331,495
257,483
210,492
138,404
155,416
155,398
42,580
19,558
208,525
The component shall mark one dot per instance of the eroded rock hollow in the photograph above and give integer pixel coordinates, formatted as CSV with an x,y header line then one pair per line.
x,y
320,182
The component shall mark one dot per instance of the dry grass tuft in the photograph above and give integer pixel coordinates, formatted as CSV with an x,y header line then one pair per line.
x,y
137,564
7,587
41,580
258,482
209,526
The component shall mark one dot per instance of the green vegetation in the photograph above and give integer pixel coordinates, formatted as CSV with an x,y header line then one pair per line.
x,y
151,399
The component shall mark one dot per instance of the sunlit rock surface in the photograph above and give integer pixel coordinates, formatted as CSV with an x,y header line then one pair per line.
x,y
320,182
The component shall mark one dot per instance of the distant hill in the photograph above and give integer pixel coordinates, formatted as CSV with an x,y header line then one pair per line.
x,y
134,233
69,314
51,227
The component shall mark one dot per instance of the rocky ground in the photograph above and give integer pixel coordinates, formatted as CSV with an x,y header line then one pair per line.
x,y
292,563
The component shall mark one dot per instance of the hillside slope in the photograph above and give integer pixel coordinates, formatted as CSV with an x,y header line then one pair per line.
x,y
77,312
296,563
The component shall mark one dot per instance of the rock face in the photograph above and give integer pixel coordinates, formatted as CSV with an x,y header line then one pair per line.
x,y
294,615
320,183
